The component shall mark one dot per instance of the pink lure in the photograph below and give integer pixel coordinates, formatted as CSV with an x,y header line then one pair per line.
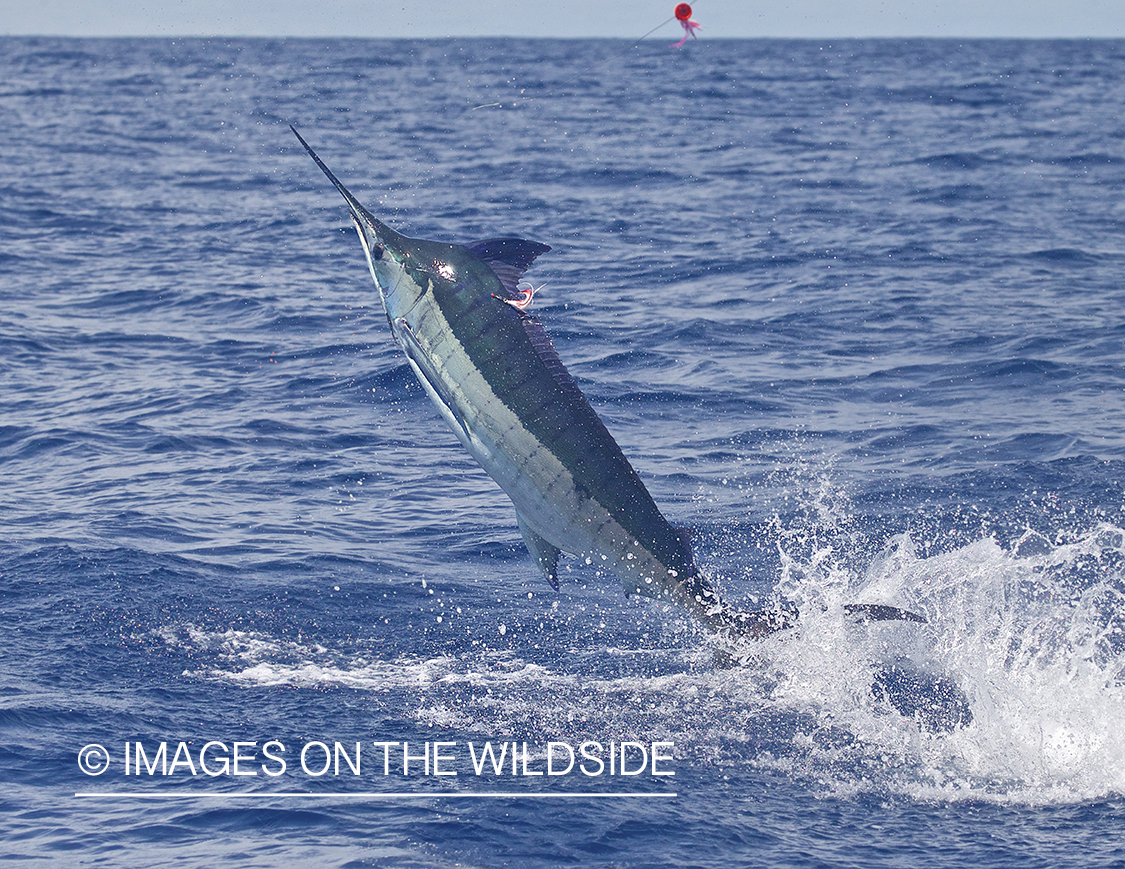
x,y
527,293
683,15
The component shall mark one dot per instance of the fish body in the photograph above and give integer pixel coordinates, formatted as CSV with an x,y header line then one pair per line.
x,y
457,313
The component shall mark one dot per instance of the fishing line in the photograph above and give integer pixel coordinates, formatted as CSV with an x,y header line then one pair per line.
x,y
592,66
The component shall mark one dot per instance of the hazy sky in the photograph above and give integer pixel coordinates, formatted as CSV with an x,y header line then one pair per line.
x,y
628,18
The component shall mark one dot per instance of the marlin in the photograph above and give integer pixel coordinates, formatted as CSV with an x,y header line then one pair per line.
x,y
459,314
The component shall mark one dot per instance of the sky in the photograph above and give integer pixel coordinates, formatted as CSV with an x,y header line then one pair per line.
x,y
627,19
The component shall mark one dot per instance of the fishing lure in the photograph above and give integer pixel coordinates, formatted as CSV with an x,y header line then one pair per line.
x,y
683,15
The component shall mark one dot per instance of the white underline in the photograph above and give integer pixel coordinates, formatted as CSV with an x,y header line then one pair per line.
x,y
200,795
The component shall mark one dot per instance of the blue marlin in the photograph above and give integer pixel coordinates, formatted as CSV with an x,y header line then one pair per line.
x,y
459,315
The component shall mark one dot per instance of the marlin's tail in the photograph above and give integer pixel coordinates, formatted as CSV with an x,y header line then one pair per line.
x,y
755,624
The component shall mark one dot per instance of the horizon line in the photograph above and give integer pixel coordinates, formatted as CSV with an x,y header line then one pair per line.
x,y
597,38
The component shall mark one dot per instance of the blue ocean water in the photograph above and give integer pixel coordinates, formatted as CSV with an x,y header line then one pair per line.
x,y
852,309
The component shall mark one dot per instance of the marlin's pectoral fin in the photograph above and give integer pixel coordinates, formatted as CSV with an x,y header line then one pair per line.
x,y
422,365
508,258
545,554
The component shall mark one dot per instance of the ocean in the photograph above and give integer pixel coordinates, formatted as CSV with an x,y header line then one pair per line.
x,y
853,310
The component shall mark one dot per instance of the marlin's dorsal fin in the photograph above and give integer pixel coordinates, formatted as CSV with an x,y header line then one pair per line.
x,y
509,258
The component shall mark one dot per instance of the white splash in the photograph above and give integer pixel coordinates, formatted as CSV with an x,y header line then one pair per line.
x,y
1033,635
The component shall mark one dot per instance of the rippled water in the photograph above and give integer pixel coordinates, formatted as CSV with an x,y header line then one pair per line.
x,y
853,310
